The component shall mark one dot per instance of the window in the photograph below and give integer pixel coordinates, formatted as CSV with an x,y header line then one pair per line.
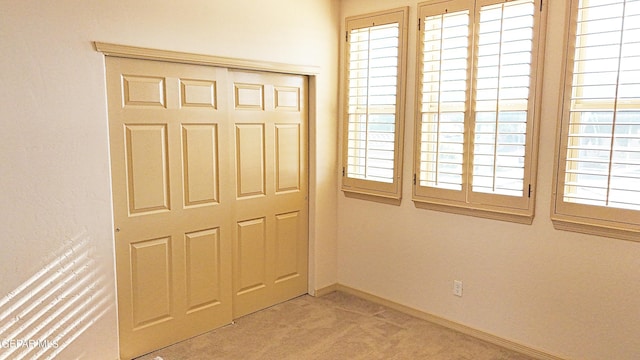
x,y
597,188
478,81
374,103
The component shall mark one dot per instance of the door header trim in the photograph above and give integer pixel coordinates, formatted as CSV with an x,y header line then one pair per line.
x,y
135,52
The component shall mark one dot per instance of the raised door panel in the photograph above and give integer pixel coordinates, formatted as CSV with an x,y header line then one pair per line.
x,y
287,98
147,168
286,251
203,269
250,159
250,270
287,157
291,254
198,93
250,261
200,161
151,284
248,96
143,91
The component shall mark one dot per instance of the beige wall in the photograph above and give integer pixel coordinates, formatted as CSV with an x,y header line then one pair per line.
x,y
56,207
571,295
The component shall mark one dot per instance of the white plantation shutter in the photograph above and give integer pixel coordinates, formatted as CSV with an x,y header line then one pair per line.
x,y
373,78
477,96
603,147
501,99
444,99
372,144
598,174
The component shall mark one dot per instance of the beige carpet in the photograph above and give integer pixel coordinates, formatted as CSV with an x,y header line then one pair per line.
x,y
335,326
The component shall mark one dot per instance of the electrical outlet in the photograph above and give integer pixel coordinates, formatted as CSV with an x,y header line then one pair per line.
x,y
457,288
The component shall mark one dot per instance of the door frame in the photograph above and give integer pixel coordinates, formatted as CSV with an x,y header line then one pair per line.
x,y
311,72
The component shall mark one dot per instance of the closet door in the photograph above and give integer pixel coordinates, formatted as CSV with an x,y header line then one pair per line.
x,y
270,237
172,208
209,176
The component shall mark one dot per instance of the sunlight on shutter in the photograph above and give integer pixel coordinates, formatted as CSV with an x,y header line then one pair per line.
x,y
373,73
444,96
603,149
501,97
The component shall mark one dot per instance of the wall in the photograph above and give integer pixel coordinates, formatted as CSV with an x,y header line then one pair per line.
x,y
56,256
571,295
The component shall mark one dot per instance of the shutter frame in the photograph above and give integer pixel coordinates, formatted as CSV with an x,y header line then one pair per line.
x,y
582,94
498,206
392,186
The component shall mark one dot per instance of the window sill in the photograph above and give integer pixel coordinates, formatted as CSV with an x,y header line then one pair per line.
x,y
514,216
371,196
594,227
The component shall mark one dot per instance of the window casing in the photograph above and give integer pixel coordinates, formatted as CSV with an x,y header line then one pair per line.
x,y
479,77
597,170
374,103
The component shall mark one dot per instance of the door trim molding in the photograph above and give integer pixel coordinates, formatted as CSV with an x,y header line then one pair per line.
x,y
135,52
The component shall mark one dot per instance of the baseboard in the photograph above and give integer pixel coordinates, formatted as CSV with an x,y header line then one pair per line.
x,y
326,290
497,340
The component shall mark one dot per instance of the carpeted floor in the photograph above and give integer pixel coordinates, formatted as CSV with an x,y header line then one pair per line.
x,y
335,326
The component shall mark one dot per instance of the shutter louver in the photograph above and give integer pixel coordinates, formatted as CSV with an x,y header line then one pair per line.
x,y
372,87
603,146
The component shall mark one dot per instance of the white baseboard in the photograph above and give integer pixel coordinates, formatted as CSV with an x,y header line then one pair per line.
x,y
326,290
497,340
